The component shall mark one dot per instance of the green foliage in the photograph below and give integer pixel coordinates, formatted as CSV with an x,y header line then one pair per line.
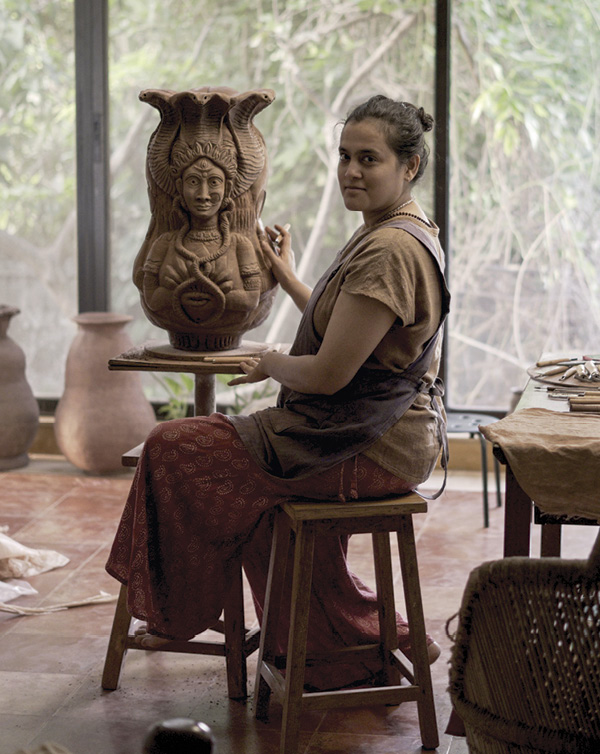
x,y
525,189
180,392
245,398
37,92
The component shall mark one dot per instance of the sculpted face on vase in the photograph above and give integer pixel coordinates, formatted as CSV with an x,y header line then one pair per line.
x,y
203,188
202,275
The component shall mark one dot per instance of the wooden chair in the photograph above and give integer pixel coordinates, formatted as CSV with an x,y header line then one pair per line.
x,y
306,520
237,645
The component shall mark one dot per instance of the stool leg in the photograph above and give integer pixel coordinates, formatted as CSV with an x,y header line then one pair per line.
x,y
418,640
270,619
296,651
386,604
234,630
117,644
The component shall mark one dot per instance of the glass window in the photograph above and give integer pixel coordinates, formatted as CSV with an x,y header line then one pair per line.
x,y
525,191
38,240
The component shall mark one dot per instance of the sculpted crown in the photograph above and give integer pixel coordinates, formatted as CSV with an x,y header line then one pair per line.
x,y
216,122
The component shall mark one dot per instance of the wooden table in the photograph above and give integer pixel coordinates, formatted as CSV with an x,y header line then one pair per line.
x,y
160,357
519,506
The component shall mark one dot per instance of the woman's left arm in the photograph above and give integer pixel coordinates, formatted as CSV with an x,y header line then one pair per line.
x,y
357,325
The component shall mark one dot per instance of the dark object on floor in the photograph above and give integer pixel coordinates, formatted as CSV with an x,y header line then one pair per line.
x,y
468,423
179,736
525,670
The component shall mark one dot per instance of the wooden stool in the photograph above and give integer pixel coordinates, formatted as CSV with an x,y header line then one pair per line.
x,y
237,644
306,520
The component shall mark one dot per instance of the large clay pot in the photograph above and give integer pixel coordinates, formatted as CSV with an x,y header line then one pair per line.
x,y
18,407
102,414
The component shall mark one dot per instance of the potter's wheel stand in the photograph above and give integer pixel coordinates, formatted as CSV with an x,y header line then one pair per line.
x,y
156,356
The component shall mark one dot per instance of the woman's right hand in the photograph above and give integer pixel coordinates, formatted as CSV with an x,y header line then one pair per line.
x,y
280,255
283,266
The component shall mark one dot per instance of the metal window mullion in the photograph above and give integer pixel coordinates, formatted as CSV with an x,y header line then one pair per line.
x,y
92,120
442,145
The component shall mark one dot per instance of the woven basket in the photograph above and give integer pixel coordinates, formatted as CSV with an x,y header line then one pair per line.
x,y
525,668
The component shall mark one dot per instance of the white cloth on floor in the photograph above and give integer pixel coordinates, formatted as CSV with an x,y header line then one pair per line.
x,y
18,561
13,588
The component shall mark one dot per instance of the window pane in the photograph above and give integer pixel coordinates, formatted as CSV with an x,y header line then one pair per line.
x,y
320,58
37,184
525,191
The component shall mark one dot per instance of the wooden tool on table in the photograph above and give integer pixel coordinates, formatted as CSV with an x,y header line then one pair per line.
x,y
588,402
583,369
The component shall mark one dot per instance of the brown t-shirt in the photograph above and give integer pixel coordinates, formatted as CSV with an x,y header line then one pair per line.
x,y
392,266
388,264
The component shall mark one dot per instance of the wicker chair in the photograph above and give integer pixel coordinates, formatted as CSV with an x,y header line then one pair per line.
x,y
525,669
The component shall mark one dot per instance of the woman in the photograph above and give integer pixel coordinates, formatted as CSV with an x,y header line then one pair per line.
x,y
359,415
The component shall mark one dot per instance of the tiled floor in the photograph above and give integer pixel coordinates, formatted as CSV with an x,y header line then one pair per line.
x,y
50,665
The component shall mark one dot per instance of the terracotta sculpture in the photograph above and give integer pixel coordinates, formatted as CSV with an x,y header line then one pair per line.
x,y
200,272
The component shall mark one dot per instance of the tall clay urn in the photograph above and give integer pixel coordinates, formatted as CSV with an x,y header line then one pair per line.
x,y
18,407
101,414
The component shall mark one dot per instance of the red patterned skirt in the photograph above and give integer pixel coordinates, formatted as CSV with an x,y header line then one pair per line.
x,y
197,498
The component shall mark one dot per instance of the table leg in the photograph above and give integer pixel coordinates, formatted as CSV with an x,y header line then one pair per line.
x,y
551,538
204,394
517,517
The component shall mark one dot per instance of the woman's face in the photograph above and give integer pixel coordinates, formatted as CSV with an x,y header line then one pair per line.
x,y
371,178
203,188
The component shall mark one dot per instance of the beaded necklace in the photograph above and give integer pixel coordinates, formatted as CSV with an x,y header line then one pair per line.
x,y
397,212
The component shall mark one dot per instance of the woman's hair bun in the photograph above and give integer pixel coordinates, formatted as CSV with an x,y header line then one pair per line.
x,y
426,119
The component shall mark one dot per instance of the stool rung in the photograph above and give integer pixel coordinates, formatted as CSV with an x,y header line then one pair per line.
x,y
358,652
354,697
274,678
196,647
215,648
398,660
